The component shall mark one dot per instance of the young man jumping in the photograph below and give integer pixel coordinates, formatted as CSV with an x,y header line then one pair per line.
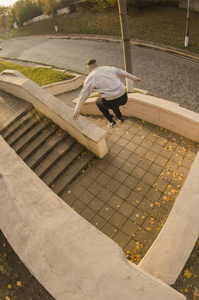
x,y
107,82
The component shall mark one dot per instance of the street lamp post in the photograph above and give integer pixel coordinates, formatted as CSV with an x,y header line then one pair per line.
x,y
126,41
56,28
186,42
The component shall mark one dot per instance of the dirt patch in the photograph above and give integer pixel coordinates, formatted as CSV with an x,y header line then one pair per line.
x,y
16,282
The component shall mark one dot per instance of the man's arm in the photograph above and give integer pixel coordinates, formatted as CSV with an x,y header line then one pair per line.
x,y
84,94
122,73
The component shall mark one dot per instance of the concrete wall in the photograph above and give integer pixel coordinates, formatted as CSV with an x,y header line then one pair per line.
x,y
69,256
158,111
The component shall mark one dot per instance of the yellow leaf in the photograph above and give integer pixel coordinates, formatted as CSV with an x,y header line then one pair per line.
x,y
9,286
19,283
187,273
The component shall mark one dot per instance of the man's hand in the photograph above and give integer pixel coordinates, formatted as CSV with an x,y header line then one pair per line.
x,y
75,116
138,80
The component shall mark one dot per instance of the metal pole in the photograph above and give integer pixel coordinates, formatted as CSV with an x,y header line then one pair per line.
x,y
186,43
126,41
56,28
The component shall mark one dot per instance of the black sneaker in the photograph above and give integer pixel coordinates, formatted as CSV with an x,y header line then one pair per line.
x,y
112,124
122,120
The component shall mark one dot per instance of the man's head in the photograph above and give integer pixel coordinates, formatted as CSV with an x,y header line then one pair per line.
x,y
91,64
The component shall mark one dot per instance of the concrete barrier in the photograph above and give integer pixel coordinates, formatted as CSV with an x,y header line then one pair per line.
x,y
89,135
68,255
55,88
158,111
64,86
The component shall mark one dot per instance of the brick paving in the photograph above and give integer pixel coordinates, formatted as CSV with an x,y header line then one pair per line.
x,y
129,193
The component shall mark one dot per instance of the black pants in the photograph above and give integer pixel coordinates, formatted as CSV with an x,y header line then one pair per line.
x,y
104,106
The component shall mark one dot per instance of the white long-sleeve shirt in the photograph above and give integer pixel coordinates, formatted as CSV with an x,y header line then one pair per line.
x,y
106,81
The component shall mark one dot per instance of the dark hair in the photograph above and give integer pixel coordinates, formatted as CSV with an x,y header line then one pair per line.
x,y
91,61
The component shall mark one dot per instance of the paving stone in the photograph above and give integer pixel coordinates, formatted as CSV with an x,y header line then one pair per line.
x,y
96,204
109,230
143,236
85,181
130,228
68,197
95,188
78,206
126,209
88,214
121,239
98,222
110,170
120,176
125,154
138,216
113,185
123,191
118,220
131,182
134,198
103,179
86,197
115,202
127,167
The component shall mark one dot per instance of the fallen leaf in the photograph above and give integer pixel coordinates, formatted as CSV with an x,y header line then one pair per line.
x,y
187,273
19,283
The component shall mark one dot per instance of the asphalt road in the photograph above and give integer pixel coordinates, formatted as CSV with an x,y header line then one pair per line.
x,y
169,76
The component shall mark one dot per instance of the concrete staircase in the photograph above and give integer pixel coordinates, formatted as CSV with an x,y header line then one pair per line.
x,y
55,156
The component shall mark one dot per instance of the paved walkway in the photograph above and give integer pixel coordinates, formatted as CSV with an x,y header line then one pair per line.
x,y
129,193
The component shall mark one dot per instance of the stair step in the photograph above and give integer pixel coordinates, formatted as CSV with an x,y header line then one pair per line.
x,y
46,148
57,169
30,135
17,116
71,173
18,123
46,164
38,142
23,130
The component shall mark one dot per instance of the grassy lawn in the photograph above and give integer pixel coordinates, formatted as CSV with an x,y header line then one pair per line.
x,y
39,75
163,25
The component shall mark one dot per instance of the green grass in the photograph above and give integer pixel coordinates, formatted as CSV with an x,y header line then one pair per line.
x,y
163,25
39,75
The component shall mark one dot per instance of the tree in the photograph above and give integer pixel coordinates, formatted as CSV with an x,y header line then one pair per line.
x,y
45,6
3,17
28,11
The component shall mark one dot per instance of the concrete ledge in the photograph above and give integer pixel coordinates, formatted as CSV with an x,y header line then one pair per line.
x,y
171,249
64,86
89,135
157,111
69,256
53,88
